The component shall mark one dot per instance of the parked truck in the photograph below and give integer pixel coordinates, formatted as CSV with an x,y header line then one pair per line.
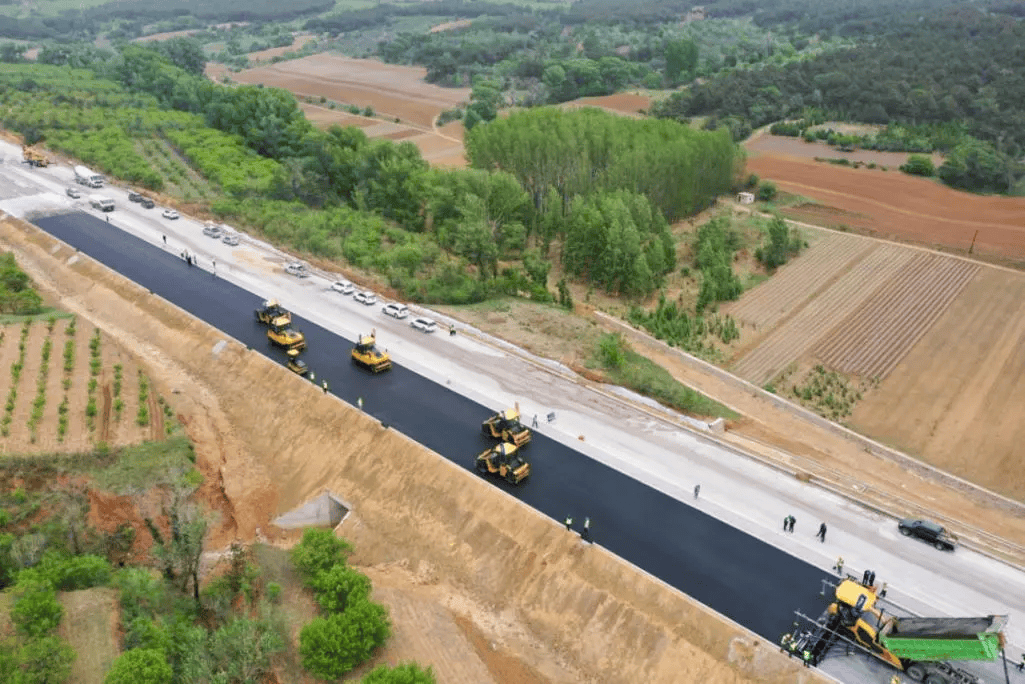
x,y
34,157
102,203
918,646
87,177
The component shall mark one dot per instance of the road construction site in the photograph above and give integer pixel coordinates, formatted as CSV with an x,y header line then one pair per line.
x,y
622,461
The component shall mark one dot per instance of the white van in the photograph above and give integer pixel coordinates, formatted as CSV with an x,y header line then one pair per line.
x,y
102,203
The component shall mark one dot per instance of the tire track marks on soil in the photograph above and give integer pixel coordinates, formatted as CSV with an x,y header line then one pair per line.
x,y
872,340
795,283
801,332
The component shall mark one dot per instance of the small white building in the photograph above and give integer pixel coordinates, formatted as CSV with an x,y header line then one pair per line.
x,y
746,197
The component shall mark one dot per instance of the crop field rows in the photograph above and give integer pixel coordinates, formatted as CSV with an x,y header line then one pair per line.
x,y
817,317
796,282
872,340
84,392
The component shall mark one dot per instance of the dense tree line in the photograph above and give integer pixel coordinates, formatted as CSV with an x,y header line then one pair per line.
x,y
680,170
16,297
87,23
384,13
908,78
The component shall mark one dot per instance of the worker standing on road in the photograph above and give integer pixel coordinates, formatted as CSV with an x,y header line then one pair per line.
x,y
806,657
324,385
839,565
569,523
786,523
1021,665
882,594
359,402
697,490
784,642
165,239
313,376
895,679
586,534
534,424
822,532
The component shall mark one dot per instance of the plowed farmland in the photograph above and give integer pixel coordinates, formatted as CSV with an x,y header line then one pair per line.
x,y
893,205
90,401
392,91
843,293
957,399
875,337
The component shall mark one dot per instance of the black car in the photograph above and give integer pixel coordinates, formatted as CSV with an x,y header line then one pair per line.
x,y
147,203
928,531
135,197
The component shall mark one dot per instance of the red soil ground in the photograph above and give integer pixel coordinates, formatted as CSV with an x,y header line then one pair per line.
x,y
892,205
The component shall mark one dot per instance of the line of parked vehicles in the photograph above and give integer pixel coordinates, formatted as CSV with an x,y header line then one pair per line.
x,y
393,309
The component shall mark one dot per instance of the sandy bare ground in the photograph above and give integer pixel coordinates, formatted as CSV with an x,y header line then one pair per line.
x,y
796,147
893,205
271,53
630,104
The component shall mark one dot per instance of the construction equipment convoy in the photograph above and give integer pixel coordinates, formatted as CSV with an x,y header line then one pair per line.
x,y
506,426
34,157
285,337
917,646
272,313
504,460
367,355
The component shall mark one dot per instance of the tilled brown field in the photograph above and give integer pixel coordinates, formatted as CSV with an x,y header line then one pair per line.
x,y
894,205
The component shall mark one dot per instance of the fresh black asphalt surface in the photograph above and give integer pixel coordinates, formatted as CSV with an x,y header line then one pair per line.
x,y
740,576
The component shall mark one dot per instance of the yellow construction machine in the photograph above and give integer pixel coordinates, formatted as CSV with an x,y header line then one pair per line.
x,y
367,355
34,157
506,426
504,460
285,337
295,364
272,313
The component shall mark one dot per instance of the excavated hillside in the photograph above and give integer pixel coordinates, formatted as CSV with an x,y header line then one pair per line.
x,y
269,441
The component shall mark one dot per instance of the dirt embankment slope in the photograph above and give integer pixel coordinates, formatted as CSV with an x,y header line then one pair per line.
x,y
269,451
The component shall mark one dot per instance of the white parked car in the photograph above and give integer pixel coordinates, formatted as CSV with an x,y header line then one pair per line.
x,y
170,214
424,325
298,269
212,230
367,298
230,239
73,193
396,310
343,286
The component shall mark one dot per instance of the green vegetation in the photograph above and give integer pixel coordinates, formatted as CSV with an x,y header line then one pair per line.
x,y
142,416
16,293
39,403
691,333
149,464
929,104
715,245
826,392
918,165
623,366
12,393
781,243
352,626
119,403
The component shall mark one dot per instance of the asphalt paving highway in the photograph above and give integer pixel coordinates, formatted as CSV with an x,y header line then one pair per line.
x,y
734,573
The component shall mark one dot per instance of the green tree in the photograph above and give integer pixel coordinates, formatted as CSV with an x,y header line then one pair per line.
x,y
781,243
681,59
339,586
976,165
407,673
43,660
317,552
767,191
241,650
36,611
918,165
140,666
335,645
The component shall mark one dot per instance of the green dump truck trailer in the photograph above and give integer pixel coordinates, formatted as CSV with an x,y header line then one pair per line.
x,y
918,646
